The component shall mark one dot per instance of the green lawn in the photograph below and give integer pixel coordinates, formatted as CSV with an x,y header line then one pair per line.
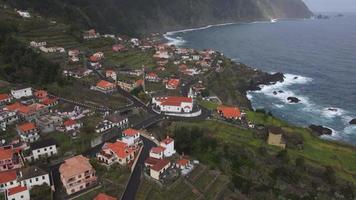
x,y
209,104
317,151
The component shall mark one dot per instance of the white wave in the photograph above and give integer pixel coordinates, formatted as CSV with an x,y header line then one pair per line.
x,y
176,41
280,90
279,105
350,130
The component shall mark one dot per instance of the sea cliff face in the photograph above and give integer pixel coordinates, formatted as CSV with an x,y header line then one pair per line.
x,y
142,16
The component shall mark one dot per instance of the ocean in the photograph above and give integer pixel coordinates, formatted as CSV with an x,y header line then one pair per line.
x,y
320,53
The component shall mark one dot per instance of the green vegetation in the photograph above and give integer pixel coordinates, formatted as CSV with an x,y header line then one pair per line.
x,y
208,104
252,164
42,192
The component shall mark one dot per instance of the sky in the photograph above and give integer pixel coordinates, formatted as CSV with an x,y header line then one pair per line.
x,y
331,5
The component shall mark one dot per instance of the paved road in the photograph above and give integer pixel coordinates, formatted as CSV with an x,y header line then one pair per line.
x,y
135,179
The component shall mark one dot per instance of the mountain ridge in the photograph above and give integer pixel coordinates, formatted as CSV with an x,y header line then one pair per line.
x,y
142,17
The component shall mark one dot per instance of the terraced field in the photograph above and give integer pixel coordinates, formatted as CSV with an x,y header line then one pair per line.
x,y
202,183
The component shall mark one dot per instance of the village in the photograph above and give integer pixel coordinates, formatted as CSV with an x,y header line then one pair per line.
x,y
67,140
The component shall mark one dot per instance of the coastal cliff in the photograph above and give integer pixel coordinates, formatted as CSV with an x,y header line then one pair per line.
x,y
141,16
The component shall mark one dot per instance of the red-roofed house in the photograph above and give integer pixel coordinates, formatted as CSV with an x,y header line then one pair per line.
x,y
50,102
105,86
32,111
168,145
131,136
71,125
152,77
13,107
28,132
77,174
157,152
8,179
111,74
172,84
117,152
173,104
18,193
41,94
9,159
157,167
229,112
4,99
103,196
182,163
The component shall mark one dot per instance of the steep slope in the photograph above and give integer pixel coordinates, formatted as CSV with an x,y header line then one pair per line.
x,y
142,16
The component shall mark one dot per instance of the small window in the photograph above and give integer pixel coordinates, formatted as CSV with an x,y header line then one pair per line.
x,y
36,179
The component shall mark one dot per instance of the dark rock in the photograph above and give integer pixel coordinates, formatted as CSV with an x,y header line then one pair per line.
x,y
293,100
320,130
280,91
353,122
332,109
275,93
296,77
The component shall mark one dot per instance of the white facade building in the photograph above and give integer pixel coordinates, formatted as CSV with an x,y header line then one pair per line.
x,y
173,104
19,93
168,145
18,193
34,176
42,149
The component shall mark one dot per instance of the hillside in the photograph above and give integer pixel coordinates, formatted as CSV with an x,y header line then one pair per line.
x,y
140,16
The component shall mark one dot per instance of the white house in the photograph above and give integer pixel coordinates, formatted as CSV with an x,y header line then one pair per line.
x,y
157,152
168,145
157,167
19,93
8,179
42,149
28,132
18,193
24,14
131,136
37,44
33,176
6,118
71,125
173,104
112,121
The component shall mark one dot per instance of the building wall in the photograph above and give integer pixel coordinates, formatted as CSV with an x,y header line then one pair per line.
x,y
24,195
18,94
79,182
43,152
169,151
31,182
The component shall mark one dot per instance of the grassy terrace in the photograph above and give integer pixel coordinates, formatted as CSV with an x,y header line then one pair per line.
x,y
317,152
207,184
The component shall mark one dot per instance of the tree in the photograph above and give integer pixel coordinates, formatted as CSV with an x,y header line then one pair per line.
x,y
42,192
300,163
283,156
329,175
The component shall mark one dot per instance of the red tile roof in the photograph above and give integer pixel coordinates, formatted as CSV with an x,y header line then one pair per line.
x,y
174,83
151,161
160,165
130,132
16,190
174,101
4,97
229,112
14,106
152,75
7,176
105,84
49,101
103,196
183,162
74,166
6,154
69,122
168,140
41,94
119,148
26,127
157,150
